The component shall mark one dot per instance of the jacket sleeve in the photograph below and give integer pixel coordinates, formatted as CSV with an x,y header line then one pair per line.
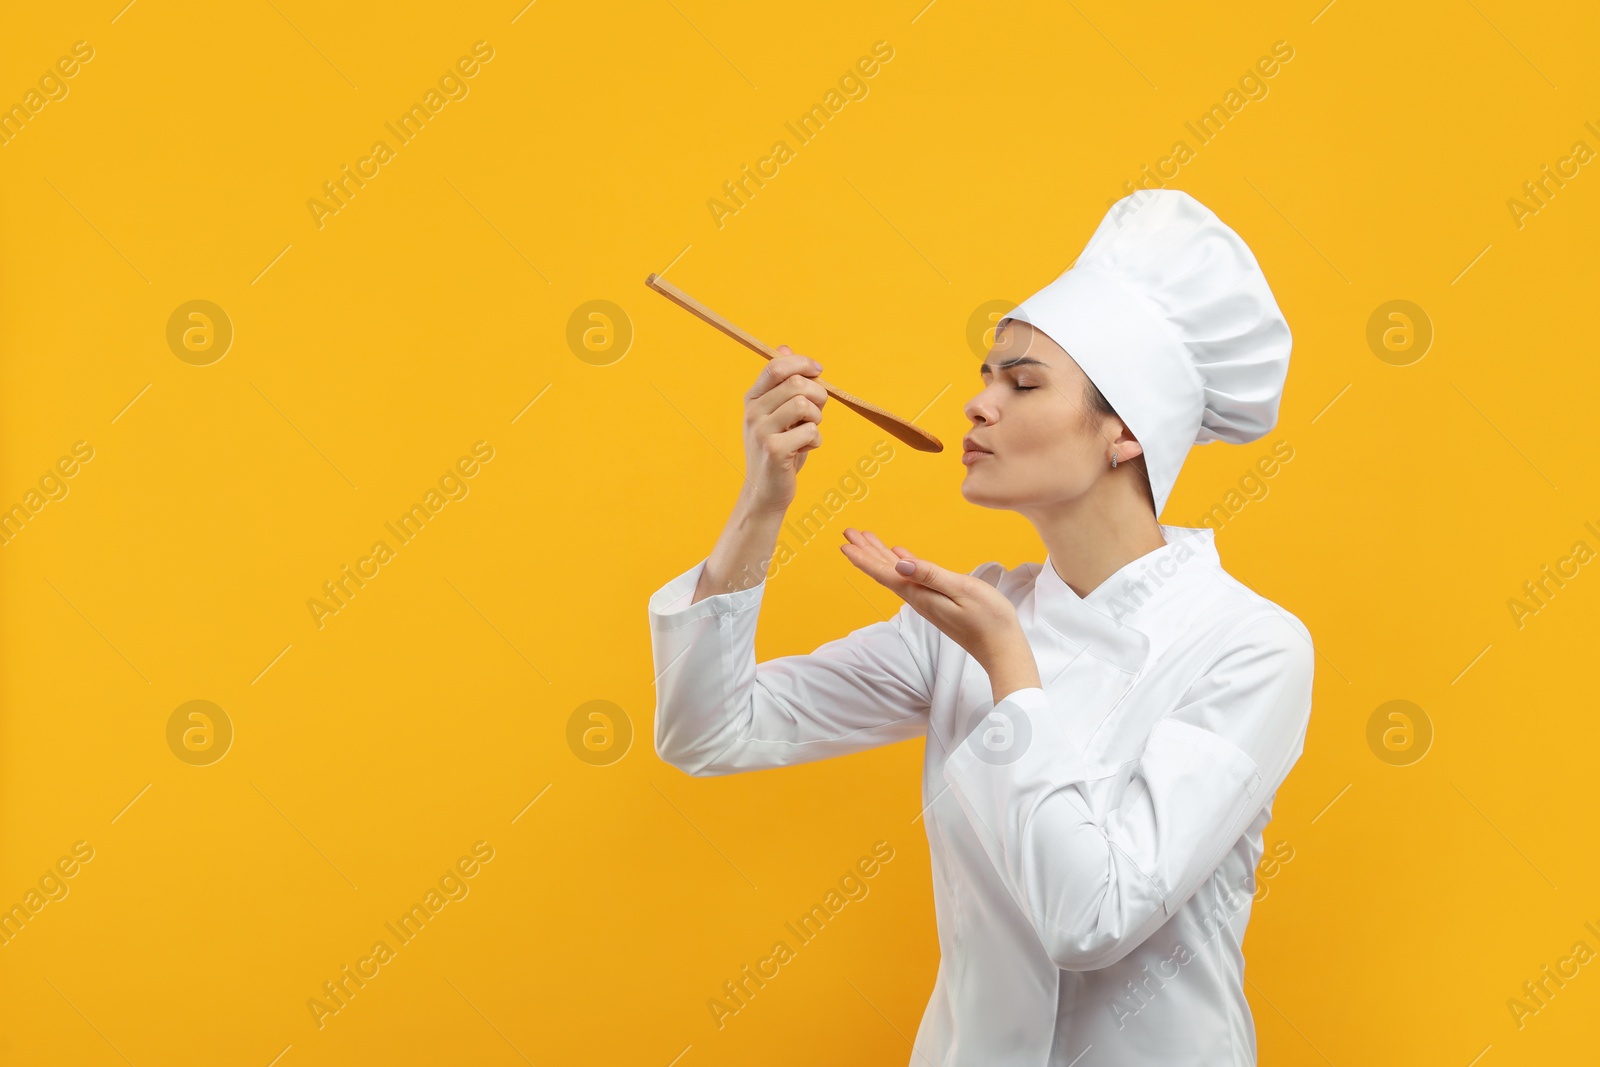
x,y
1096,883
718,711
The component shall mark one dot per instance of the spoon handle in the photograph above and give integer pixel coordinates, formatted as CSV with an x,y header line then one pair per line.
x,y
913,435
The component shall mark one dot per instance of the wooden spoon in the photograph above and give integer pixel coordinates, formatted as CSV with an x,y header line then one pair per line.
x,y
913,435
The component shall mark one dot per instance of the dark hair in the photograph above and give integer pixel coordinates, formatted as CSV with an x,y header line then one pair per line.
x,y
1099,405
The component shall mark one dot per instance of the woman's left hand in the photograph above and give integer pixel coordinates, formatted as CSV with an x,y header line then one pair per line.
x,y
964,607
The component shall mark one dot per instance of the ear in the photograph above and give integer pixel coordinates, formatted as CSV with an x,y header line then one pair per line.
x,y
1125,443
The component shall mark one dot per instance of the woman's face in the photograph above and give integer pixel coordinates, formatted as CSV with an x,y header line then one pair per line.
x,y
1040,443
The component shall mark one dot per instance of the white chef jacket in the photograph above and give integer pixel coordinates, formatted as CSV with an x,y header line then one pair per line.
x,y
1094,841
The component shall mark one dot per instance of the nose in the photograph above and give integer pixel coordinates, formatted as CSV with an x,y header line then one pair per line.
x,y
978,409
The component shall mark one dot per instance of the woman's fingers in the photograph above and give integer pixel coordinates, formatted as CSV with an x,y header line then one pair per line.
x,y
790,402
781,414
903,560
868,552
871,546
897,552
858,540
915,571
867,557
896,555
881,548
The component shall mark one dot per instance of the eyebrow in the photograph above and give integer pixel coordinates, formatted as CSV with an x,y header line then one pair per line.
x,y
1017,362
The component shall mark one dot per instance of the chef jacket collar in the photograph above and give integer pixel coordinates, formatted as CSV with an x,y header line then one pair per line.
x,y
1116,621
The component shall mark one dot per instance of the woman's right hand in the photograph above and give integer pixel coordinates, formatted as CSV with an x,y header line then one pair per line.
x,y
782,413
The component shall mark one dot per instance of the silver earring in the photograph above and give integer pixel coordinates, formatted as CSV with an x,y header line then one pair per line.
x,y
1113,459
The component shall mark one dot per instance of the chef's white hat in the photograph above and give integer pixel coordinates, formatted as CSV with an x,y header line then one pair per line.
x,y
1168,313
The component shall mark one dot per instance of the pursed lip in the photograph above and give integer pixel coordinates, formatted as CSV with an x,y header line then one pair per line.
x,y
969,445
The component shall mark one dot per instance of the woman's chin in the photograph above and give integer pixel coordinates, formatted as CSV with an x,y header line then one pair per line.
x,y
975,492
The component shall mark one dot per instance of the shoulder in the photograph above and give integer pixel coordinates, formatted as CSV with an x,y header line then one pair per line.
x,y
1251,624
1250,666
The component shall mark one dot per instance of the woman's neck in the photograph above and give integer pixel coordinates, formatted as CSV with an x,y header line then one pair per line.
x,y
1090,540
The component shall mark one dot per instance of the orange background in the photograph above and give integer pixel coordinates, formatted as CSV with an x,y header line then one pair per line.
x,y
433,308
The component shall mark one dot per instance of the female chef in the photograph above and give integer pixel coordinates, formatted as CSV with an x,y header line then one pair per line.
x,y
1105,731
